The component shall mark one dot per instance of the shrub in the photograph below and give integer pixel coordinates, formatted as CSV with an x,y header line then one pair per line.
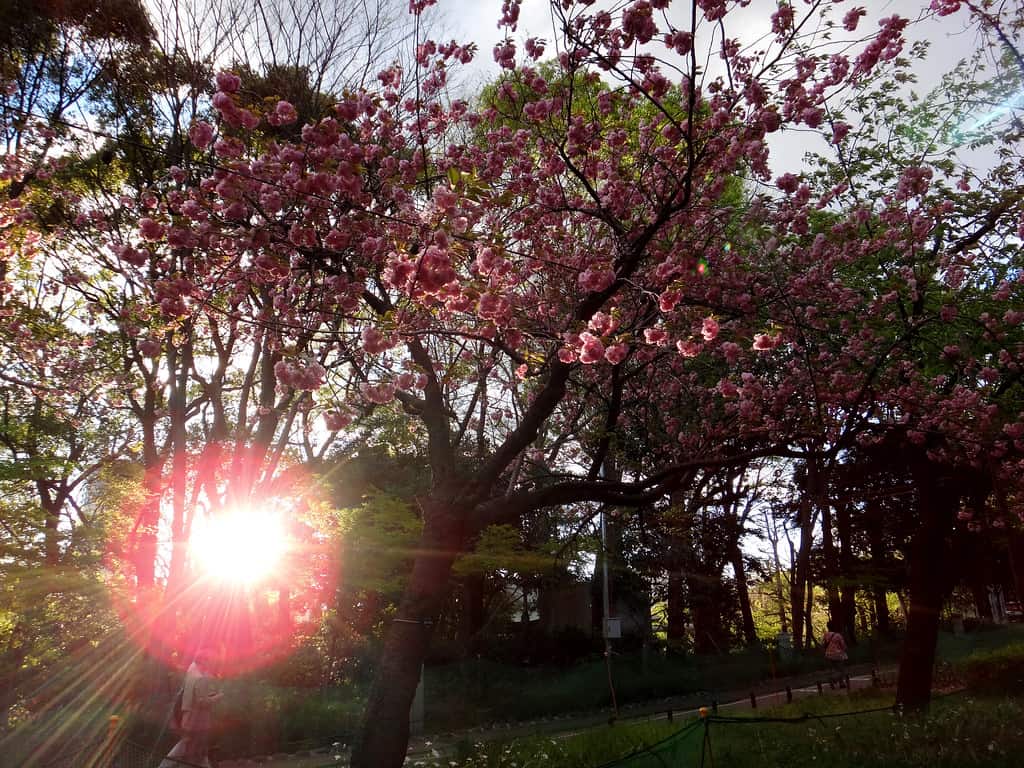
x,y
1000,670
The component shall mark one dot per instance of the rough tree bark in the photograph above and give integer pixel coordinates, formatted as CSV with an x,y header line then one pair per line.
x,y
938,499
675,607
848,567
801,570
382,740
749,630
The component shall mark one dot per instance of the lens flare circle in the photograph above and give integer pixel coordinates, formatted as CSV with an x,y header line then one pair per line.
x,y
250,583
242,546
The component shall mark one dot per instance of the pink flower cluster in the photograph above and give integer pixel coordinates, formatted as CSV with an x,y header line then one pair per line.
x,y
596,279
709,329
375,342
852,17
299,375
883,47
381,394
336,420
201,134
284,113
150,230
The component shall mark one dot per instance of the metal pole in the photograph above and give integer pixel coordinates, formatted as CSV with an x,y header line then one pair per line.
x,y
604,590
606,609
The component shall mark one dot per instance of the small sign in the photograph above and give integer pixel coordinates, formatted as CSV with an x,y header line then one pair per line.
x,y
613,629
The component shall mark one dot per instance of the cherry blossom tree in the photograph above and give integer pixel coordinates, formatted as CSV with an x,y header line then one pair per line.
x,y
603,253
558,271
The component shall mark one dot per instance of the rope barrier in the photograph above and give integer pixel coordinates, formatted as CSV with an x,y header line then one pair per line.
x,y
649,749
707,755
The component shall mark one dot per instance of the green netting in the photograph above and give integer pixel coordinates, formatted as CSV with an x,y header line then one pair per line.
x,y
101,753
671,752
131,755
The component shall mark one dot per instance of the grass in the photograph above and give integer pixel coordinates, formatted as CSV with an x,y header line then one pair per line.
x,y
478,692
954,647
586,749
982,727
958,731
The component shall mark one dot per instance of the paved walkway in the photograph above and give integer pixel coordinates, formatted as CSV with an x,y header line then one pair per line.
x,y
768,694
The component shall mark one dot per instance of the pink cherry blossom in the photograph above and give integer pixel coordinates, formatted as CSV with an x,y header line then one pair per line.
x,y
337,420
228,82
596,279
765,341
591,349
616,353
852,17
150,230
381,394
688,348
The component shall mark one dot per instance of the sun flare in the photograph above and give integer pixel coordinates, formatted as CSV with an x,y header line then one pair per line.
x,y
241,547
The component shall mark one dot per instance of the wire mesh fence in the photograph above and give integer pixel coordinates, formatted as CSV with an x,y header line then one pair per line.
x,y
105,752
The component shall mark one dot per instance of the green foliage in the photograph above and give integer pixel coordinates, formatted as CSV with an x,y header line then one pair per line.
x,y
259,718
501,548
1000,670
381,536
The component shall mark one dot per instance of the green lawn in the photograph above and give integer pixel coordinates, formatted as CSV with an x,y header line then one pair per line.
x,y
960,730
478,692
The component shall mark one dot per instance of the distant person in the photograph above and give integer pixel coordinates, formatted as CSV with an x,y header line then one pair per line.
x,y
198,697
835,652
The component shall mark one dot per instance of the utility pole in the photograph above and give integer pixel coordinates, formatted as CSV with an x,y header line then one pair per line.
x,y
606,623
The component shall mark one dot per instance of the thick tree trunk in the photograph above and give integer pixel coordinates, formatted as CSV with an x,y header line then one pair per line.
x,y
471,615
879,591
52,534
802,571
929,566
851,573
742,591
675,607
881,611
773,538
384,736
1016,548
705,595
832,571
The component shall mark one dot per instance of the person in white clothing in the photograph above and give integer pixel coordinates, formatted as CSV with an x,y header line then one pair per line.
x,y
200,694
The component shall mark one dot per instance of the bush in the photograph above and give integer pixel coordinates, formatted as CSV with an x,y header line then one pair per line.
x,y
257,719
996,671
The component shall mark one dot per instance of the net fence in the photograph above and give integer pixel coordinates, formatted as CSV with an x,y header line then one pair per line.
x,y
102,752
670,752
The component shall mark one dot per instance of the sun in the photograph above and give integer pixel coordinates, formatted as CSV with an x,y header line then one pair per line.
x,y
241,546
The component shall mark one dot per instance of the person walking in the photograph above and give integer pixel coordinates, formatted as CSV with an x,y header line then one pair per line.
x,y
835,653
198,697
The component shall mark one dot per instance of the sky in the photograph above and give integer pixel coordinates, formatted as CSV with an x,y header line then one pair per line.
x,y
951,40
476,20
